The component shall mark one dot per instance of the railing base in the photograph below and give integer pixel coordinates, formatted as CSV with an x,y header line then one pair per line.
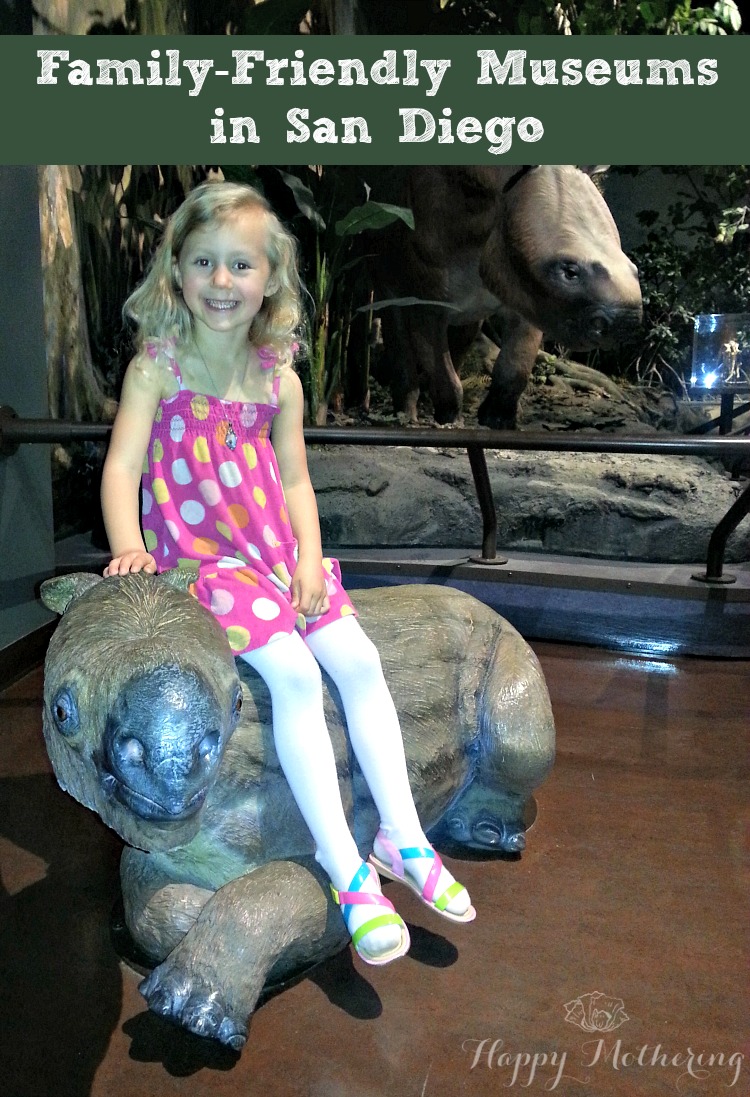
x,y
720,580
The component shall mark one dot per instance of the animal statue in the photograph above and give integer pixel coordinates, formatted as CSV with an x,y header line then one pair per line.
x,y
534,248
149,722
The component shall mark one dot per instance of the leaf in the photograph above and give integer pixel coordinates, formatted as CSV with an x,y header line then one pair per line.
x,y
373,216
304,198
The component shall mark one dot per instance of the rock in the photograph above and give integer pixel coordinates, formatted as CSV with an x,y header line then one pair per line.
x,y
617,506
610,506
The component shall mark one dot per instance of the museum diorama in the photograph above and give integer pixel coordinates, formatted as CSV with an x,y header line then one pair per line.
x,y
495,297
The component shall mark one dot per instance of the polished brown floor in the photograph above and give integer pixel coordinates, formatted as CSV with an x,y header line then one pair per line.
x,y
634,885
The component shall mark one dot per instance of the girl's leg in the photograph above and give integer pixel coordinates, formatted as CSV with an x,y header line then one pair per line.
x,y
352,660
305,753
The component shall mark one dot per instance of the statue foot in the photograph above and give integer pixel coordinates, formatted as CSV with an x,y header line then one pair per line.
x,y
189,1002
497,418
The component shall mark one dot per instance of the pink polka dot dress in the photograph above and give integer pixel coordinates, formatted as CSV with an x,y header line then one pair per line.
x,y
212,497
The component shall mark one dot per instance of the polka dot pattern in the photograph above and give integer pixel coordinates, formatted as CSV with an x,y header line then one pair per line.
x,y
181,473
238,516
201,450
213,499
210,492
229,474
160,490
204,546
176,428
222,602
192,512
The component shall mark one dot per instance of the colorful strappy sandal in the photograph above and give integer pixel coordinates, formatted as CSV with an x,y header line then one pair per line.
x,y
352,897
395,871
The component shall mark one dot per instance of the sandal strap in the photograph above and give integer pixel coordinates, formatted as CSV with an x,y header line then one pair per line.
x,y
353,896
449,894
347,899
428,891
398,856
391,919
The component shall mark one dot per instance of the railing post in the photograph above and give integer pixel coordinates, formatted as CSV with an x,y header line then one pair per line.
x,y
717,544
483,487
7,446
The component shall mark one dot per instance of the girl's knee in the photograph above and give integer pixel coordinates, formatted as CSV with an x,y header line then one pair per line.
x,y
302,676
366,657
354,657
287,667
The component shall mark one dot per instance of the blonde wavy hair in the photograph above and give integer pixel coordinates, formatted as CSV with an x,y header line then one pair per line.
x,y
156,305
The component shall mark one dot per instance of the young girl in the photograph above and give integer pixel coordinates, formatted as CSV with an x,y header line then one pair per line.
x,y
210,423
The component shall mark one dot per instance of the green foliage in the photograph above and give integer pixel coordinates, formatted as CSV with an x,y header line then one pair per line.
x,y
586,17
695,259
331,213
176,17
119,213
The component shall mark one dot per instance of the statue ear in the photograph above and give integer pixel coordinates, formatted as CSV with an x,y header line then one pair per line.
x,y
59,592
180,578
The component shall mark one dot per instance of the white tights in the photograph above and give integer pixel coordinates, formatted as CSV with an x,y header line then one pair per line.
x,y
291,672
290,669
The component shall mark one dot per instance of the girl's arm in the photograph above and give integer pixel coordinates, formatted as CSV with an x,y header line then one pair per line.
x,y
309,594
141,392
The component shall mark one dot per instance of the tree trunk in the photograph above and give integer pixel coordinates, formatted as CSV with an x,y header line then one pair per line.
x,y
75,385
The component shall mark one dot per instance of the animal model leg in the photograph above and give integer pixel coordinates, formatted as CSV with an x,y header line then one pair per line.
x,y
429,337
402,366
520,345
267,923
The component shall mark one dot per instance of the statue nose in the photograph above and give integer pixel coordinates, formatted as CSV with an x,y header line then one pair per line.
x,y
174,758
165,727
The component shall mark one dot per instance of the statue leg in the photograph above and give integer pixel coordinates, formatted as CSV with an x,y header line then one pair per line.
x,y
429,339
269,923
402,366
520,343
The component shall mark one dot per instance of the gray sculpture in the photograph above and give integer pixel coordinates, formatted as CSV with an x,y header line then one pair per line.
x,y
149,722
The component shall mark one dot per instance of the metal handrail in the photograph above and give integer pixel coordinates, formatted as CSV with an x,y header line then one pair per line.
x,y
15,431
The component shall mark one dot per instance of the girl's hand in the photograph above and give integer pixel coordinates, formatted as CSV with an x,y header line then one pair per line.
x,y
134,561
309,594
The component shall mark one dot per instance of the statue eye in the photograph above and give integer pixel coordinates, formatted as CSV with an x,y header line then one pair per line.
x,y
570,271
65,712
237,705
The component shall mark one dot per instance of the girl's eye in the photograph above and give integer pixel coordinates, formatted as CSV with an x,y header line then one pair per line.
x,y
241,265
203,262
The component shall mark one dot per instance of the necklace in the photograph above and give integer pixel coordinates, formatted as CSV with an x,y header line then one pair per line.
x,y
208,371
229,437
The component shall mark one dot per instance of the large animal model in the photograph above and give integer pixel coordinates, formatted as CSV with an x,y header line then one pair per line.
x,y
534,248
150,722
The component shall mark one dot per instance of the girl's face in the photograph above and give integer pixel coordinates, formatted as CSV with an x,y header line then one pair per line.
x,y
224,272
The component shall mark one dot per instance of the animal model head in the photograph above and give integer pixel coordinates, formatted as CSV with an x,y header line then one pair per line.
x,y
141,696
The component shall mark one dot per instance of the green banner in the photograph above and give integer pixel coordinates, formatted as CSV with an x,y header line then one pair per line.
x,y
375,99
